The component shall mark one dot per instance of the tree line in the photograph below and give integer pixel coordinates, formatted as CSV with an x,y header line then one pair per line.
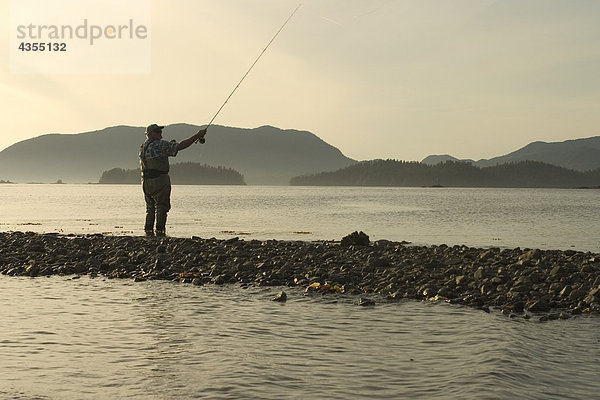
x,y
187,173
388,172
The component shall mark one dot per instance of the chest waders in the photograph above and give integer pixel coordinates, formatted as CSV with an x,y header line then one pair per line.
x,y
156,185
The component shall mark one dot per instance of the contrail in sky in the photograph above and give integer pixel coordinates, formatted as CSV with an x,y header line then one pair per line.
x,y
330,20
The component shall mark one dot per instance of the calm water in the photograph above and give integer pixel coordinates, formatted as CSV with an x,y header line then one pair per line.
x,y
535,218
115,339
95,339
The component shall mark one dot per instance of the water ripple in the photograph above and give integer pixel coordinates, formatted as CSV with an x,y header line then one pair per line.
x,y
94,338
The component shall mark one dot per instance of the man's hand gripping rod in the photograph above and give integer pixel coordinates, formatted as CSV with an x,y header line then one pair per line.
x,y
201,139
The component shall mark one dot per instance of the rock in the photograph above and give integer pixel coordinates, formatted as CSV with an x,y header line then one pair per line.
x,y
364,302
530,255
280,297
577,294
32,270
453,261
482,273
565,291
446,292
355,239
559,271
460,280
564,315
538,306
593,296
487,255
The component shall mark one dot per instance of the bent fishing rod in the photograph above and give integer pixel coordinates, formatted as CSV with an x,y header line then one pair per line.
x,y
201,140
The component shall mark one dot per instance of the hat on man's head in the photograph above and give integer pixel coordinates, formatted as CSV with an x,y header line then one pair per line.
x,y
154,128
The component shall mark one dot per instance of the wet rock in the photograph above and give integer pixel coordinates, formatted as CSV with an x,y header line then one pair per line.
x,y
531,255
538,306
483,272
487,255
593,296
446,292
280,297
355,239
32,270
365,302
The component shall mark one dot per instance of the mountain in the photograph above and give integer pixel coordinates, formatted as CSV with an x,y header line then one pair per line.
x,y
264,155
530,174
577,154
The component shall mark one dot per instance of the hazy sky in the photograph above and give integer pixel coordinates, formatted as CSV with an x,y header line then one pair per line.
x,y
375,78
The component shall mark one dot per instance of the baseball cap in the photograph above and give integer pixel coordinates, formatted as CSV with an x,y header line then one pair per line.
x,y
154,128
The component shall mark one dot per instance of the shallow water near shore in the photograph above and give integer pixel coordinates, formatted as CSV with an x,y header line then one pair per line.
x,y
506,218
92,338
64,338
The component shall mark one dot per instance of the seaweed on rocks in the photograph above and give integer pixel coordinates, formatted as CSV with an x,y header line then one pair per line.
x,y
519,282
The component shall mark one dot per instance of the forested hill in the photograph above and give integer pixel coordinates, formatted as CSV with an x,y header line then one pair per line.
x,y
180,174
265,155
458,174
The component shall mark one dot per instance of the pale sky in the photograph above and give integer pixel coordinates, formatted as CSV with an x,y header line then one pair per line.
x,y
376,78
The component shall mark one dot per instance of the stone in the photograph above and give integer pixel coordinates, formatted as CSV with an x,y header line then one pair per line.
x,y
486,255
365,302
355,239
530,255
446,292
593,296
460,280
538,306
482,273
280,297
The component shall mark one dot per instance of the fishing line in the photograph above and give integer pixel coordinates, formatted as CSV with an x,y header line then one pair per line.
x,y
252,66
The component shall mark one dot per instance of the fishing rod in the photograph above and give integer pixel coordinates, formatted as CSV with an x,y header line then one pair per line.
x,y
201,140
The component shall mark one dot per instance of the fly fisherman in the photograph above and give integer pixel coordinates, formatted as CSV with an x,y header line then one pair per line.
x,y
156,184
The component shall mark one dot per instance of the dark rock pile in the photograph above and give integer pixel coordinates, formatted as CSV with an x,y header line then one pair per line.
x,y
555,283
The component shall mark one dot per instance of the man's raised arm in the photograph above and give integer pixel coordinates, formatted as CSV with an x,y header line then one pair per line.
x,y
184,144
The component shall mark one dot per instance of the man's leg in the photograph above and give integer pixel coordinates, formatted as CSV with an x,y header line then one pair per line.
x,y
163,205
150,211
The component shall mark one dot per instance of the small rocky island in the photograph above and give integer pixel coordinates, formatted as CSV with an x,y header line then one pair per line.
x,y
547,284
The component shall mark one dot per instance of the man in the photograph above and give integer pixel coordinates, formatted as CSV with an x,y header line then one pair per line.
x,y
156,184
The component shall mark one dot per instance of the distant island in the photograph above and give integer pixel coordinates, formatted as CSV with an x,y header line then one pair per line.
x,y
187,173
5,181
529,174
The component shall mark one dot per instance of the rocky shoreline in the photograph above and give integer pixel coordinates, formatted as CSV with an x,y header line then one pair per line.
x,y
548,284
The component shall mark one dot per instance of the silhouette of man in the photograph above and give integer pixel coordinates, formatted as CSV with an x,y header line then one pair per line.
x,y
156,184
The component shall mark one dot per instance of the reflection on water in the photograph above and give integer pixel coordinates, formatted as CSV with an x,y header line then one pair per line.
x,y
99,339
534,218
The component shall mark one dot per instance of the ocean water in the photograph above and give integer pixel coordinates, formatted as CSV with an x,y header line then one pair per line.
x,y
64,338
533,218
115,339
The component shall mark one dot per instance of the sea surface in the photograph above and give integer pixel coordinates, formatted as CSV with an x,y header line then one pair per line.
x,y
64,338
94,338
526,218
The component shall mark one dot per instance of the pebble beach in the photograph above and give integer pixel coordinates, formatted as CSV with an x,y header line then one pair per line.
x,y
521,283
